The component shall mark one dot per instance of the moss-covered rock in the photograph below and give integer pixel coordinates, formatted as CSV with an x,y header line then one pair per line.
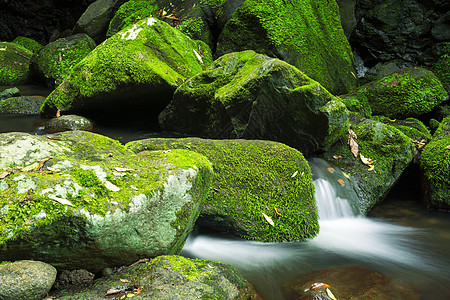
x,y
252,96
81,200
389,150
252,178
168,277
56,60
305,33
8,93
28,43
442,68
21,105
142,64
14,64
411,127
26,280
435,164
409,93
95,19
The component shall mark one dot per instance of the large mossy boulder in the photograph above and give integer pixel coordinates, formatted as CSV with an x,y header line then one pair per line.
x,y
252,96
255,183
95,20
383,153
14,64
21,105
81,200
167,277
56,59
28,43
306,34
410,92
435,164
137,69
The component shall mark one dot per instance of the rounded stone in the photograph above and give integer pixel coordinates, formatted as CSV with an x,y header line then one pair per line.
x,y
69,122
26,280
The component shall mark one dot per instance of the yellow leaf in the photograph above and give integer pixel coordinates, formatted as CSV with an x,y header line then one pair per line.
x,y
365,160
119,169
58,113
346,175
268,219
112,187
371,167
124,280
330,294
318,285
31,167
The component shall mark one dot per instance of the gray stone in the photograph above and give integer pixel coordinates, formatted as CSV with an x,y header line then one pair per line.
x,y
68,122
26,280
8,93
22,105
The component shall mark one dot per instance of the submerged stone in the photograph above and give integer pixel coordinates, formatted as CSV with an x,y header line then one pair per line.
x,y
136,70
252,96
306,34
81,200
255,183
168,277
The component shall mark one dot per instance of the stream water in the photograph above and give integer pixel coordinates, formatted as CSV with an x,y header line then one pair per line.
x,y
400,239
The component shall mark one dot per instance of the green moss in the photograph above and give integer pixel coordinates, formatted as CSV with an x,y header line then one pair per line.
x,y
191,26
252,178
28,43
411,127
442,68
14,63
358,102
130,13
57,59
311,39
152,55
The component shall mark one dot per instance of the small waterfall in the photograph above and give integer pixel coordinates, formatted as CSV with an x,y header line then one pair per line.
x,y
361,70
328,204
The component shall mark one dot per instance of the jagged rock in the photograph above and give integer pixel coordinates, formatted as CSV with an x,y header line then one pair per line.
x,y
81,200
252,96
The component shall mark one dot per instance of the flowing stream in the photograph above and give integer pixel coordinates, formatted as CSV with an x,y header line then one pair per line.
x,y
417,254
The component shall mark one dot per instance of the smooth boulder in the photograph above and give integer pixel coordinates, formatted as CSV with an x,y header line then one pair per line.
x,y
81,200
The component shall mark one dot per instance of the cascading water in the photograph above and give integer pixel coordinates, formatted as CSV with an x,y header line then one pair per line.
x,y
406,254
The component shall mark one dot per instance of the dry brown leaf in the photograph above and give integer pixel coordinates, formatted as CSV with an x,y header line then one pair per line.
x,y
41,163
6,173
318,285
61,200
58,113
31,167
352,137
111,186
338,157
53,170
124,280
268,219
341,182
112,292
331,170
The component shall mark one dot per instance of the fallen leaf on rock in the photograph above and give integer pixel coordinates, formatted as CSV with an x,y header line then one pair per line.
x,y
54,170
318,285
346,175
365,160
6,173
28,197
112,292
268,219
352,137
111,186
447,148
331,170
61,200
124,280
134,188
341,182
119,169
31,167
41,163
119,174
58,113
276,210
330,294
338,157
371,168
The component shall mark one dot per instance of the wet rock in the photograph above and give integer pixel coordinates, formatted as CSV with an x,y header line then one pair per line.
x,y
8,93
95,20
26,280
81,200
349,282
21,105
14,64
168,277
252,96
56,60
252,178
68,122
